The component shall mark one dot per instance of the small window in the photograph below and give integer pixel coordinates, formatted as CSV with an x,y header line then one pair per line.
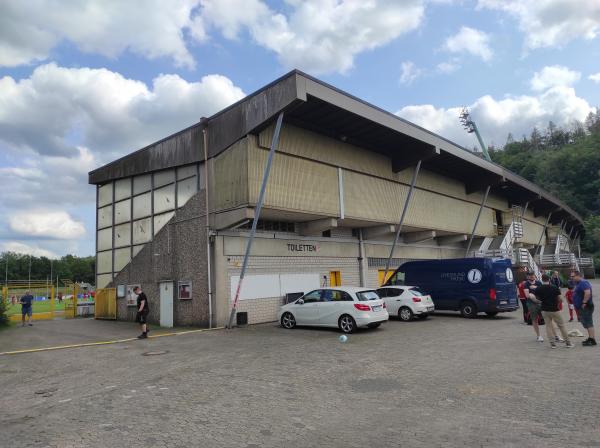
x,y
334,295
327,234
397,278
395,292
312,297
364,296
383,292
416,292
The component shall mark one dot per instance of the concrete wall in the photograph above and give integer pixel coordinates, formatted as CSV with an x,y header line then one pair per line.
x,y
271,255
177,253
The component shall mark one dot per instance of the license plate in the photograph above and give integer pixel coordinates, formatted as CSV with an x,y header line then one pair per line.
x,y
503,302
376,308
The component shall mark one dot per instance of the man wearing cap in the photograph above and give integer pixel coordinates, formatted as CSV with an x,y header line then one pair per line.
x,y
582,299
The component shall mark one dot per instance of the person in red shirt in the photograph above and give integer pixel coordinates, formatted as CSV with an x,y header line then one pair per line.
x,y
523,299
569,297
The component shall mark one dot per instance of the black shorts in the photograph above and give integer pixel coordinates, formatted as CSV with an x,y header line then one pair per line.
x,y
142,317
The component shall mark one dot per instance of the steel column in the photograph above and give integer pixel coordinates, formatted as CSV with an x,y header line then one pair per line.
x,y
401,223
259,205
485,196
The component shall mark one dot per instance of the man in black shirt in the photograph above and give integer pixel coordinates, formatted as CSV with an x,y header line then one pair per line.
x,y
549,297
143,311
533,304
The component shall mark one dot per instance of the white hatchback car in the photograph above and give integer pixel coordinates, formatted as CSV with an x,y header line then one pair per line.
x,y
406,302
347,308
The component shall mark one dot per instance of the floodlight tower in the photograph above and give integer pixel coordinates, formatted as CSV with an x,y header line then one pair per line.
x,y
470,127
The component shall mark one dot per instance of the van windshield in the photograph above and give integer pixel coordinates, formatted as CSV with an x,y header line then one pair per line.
x,y
363,296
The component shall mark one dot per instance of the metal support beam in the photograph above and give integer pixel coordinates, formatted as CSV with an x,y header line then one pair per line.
x,y
451,239
524,209
485,196
317,227
401,223
410,158
261,198
538,247
478,183
417,237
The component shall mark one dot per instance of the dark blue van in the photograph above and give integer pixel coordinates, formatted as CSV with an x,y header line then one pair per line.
x,y
468,285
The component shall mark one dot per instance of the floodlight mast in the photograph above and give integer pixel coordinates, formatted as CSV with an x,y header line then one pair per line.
x,y
470,127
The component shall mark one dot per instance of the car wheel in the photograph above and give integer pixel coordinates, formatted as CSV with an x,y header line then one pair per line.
x,y
288,321
468,309
423,316
491,313
405,314
347,323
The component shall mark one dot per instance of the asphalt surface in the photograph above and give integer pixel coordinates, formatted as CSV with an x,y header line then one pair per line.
x,y
445,382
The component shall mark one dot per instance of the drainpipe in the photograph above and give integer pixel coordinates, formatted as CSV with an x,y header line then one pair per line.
x,y
208,251
361,265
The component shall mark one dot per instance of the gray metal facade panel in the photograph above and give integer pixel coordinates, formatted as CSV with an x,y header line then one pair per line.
x,y
229,126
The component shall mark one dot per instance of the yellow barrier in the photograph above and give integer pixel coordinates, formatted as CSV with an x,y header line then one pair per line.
x,y
106,303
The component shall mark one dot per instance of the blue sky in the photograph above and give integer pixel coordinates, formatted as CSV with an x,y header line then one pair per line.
x,y
84,83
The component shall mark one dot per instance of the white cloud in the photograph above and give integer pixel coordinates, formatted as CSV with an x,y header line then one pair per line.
x,y
27,249
551,23
317,35
595,77
472,41
410,72
60,123
496,118
46,223
554,75
29,30
448,67
111,114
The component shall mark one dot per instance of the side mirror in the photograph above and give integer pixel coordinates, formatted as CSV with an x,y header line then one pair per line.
x,y
299,302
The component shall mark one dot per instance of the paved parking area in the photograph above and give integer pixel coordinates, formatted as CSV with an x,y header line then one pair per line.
x,y
445,382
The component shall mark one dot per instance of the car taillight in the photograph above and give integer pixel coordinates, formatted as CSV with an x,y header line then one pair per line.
x,y
416,299
492,294
361,307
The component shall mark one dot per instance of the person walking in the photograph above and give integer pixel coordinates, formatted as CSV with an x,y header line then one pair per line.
x,y
26,307
143,311
550,298
583,301
533,303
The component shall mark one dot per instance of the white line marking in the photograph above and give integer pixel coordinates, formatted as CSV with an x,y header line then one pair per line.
x,y
150,387
126,396
65,400
163,388
110,387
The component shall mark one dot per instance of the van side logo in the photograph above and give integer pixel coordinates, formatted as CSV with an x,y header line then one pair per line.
x,y
509,274
474,276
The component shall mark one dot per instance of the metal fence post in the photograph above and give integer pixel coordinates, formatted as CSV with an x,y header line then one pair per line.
x,y
259,205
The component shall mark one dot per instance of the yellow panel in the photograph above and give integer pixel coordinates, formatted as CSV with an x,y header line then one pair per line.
x,y
380,200
294,184
231,177
317,147
532,232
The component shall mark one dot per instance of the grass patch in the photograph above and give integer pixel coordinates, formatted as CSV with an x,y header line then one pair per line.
x,y
38,307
